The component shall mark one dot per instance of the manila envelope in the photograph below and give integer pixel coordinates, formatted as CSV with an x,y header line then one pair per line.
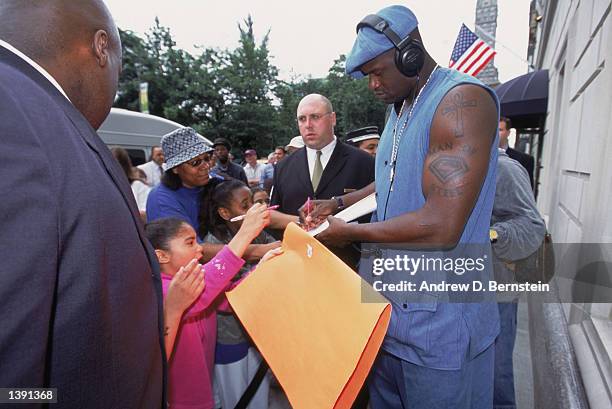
x,y
304,311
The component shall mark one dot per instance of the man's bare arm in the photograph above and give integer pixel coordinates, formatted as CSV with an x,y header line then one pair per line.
x,y
456,165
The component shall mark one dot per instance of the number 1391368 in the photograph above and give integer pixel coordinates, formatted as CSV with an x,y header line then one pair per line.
x,y
28,395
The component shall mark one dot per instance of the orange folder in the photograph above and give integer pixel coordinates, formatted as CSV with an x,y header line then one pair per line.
x,y
305,312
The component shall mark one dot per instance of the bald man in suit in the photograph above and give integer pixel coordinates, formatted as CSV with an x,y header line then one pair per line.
x,y
324,168
79,283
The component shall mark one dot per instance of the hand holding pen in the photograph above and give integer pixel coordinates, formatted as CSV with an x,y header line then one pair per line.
x,y
314,212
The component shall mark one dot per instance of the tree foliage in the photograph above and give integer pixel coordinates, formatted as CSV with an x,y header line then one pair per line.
x,y
250,80
234,93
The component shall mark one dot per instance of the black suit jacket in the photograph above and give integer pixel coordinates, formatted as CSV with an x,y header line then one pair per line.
x,y
348,168
79,283
527,161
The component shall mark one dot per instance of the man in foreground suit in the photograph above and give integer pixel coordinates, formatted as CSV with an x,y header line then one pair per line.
x,y
79,284
324,168
526,160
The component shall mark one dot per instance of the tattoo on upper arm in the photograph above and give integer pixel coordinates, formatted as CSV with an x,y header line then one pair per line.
x,y
166,329
447,167
456,107
469,149
441,148
453,192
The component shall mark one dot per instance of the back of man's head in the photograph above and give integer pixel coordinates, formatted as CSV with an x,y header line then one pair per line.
x,y
77,42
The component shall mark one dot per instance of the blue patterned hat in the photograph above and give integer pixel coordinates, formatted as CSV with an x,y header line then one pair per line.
x,y
182,145
369,44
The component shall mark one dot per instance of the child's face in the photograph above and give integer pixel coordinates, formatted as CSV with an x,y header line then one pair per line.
x,y
261,197
183,248
242,201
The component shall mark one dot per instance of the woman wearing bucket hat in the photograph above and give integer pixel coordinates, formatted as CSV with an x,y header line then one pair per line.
x,y
185,175
185,183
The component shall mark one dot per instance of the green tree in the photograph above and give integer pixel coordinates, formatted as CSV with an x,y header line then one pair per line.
x,y
250,82
354,103
182,88
235,94
206,92
287,103
137,64
146,60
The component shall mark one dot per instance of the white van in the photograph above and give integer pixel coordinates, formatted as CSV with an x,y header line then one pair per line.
x,y
136,132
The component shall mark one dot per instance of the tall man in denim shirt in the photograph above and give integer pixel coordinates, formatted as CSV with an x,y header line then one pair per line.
x,y
435,185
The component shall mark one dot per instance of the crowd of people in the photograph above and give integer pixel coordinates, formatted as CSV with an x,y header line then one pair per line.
x,y
127,307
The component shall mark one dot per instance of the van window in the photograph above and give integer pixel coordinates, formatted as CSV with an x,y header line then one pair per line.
x,y
137,156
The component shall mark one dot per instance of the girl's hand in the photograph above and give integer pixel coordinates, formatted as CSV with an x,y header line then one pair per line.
x,y
271,254
256,218
185,287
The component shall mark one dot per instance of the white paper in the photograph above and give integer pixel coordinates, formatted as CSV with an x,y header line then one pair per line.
x,y
361,208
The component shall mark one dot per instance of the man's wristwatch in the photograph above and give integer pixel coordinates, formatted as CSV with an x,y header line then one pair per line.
x,y
339,202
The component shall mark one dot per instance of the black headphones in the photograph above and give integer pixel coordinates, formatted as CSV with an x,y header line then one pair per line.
x,y
409,53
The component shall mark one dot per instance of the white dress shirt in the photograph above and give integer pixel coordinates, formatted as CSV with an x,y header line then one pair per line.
x,y
141,194
153,172
253,173
36,66
326,153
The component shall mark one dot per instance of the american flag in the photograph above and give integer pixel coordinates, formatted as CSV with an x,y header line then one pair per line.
x,y
470,54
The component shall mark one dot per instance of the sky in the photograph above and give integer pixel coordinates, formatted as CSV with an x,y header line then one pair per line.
x,y
306,37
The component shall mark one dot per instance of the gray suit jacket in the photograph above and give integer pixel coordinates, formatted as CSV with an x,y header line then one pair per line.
x,y
80,287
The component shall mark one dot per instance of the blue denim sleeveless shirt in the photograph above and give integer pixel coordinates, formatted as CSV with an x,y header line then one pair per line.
x,y
425,328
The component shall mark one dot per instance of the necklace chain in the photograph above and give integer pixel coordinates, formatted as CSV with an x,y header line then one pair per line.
x,y
397,137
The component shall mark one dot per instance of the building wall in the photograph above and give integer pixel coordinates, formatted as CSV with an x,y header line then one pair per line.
x,y
576,183
574,44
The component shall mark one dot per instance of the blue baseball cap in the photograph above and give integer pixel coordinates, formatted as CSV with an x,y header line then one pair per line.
x,y
369,43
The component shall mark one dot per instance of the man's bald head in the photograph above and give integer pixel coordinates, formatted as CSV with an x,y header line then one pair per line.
x,y
316,120
318,99
77,42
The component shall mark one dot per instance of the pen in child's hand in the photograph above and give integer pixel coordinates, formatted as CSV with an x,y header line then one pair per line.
x,y
242,216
